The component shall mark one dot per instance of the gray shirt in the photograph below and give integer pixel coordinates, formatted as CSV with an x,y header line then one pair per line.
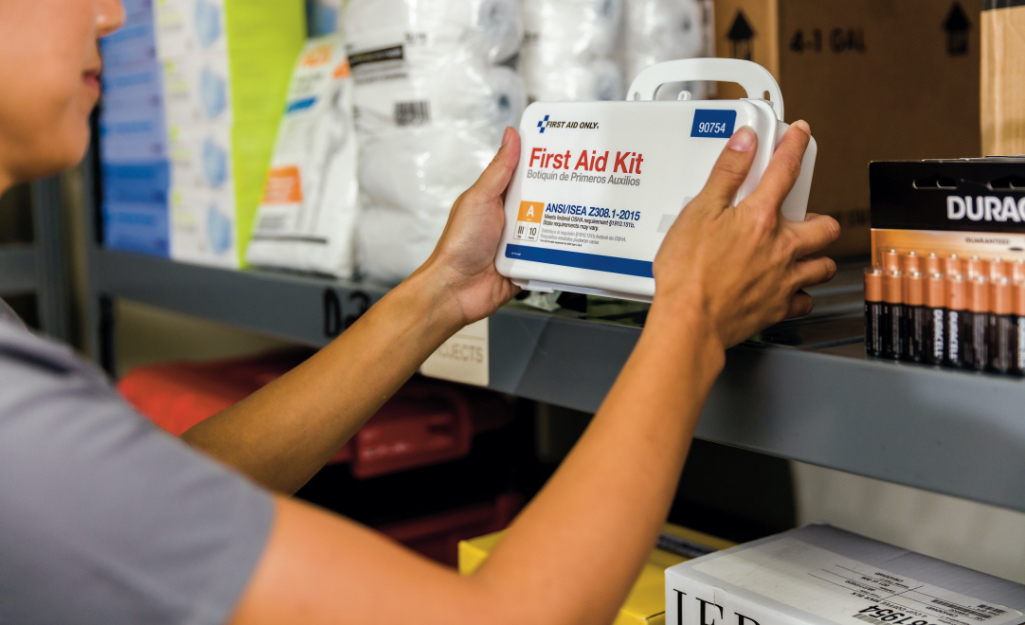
x,y
103,517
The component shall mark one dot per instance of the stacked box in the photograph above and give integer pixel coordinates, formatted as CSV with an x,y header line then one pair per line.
x,y
225,67
133,138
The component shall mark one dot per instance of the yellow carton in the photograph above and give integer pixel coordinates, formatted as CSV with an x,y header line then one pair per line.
x,y
645,605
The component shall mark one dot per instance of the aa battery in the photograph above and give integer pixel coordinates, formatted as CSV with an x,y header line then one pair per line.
x,y
998,269
953,265
915,317
936,312
975,267
1017,271
957,318
1003,327
979,306
890,261
942,309
911,263
893,315
874,319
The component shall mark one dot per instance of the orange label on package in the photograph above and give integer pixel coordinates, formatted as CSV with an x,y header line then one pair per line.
x,y
531,212
342,71
317,56
284,186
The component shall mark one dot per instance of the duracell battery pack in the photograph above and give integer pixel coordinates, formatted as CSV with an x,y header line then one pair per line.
x,y
599,184
969,207
821,575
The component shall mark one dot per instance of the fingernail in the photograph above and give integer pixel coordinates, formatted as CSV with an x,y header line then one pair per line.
x,y
803,125
507,136
742,140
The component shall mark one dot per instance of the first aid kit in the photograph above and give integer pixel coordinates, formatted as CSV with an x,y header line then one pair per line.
x,y
599,184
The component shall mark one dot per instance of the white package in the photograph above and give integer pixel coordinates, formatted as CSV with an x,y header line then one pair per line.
x,y
492,28
203,223
186,27
665,30
392,244
307,218
821,575
569,49
430,110
583,81
422,172
197,90
453,92
558,30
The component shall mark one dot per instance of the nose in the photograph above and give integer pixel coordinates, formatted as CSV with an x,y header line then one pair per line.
x,y
110,16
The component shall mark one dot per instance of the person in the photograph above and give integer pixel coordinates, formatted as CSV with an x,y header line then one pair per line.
x,y
105,519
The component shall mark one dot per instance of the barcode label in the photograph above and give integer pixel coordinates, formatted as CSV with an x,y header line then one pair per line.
x,y
990,611
412,113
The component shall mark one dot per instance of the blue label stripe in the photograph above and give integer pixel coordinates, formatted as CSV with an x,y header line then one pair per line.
x,y
300,105
610,264
714,123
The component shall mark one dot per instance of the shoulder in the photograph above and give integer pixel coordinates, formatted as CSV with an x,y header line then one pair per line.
x,y
98,500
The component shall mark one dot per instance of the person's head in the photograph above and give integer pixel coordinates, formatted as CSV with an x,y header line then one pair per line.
x,y
49,82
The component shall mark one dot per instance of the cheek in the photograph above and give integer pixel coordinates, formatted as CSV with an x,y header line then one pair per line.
x,y
44,106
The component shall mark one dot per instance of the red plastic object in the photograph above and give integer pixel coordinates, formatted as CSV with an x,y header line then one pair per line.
x,y
437,536
424,423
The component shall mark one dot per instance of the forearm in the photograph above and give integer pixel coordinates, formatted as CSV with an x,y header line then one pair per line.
x,y
584,538
284,433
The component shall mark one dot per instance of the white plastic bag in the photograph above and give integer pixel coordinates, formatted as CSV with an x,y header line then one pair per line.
x,y
430,112
307,218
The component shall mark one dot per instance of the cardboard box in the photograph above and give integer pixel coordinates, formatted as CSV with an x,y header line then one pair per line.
x,y
876,79
1003,77
821,575
645,605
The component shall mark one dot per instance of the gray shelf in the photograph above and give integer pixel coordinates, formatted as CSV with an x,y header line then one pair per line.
x,y
802,390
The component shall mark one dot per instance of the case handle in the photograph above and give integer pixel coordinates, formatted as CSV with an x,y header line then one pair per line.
x,y
755,79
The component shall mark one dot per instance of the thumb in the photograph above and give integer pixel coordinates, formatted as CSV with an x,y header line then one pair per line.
x,y
493,182
731,169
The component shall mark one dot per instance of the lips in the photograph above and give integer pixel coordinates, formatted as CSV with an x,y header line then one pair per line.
x,y
91,79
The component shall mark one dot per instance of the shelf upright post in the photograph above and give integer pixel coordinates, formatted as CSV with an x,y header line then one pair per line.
x,y
51,259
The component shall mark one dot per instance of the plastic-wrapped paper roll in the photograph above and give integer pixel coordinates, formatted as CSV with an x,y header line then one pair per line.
x,y
558,30
423,172
664,30
492,97
491,27
393,244
601,79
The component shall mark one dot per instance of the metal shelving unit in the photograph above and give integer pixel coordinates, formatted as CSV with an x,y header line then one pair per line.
x,y
802,390
40,267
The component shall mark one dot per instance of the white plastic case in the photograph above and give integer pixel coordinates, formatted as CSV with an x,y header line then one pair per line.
x,y
599,183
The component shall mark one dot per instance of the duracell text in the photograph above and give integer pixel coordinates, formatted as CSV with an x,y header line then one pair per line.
x,y
939,308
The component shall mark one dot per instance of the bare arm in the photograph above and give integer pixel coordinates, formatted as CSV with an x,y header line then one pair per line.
x,y
284,433
723,273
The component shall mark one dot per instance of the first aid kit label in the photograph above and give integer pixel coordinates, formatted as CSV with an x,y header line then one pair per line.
x,y
849,592
714,124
